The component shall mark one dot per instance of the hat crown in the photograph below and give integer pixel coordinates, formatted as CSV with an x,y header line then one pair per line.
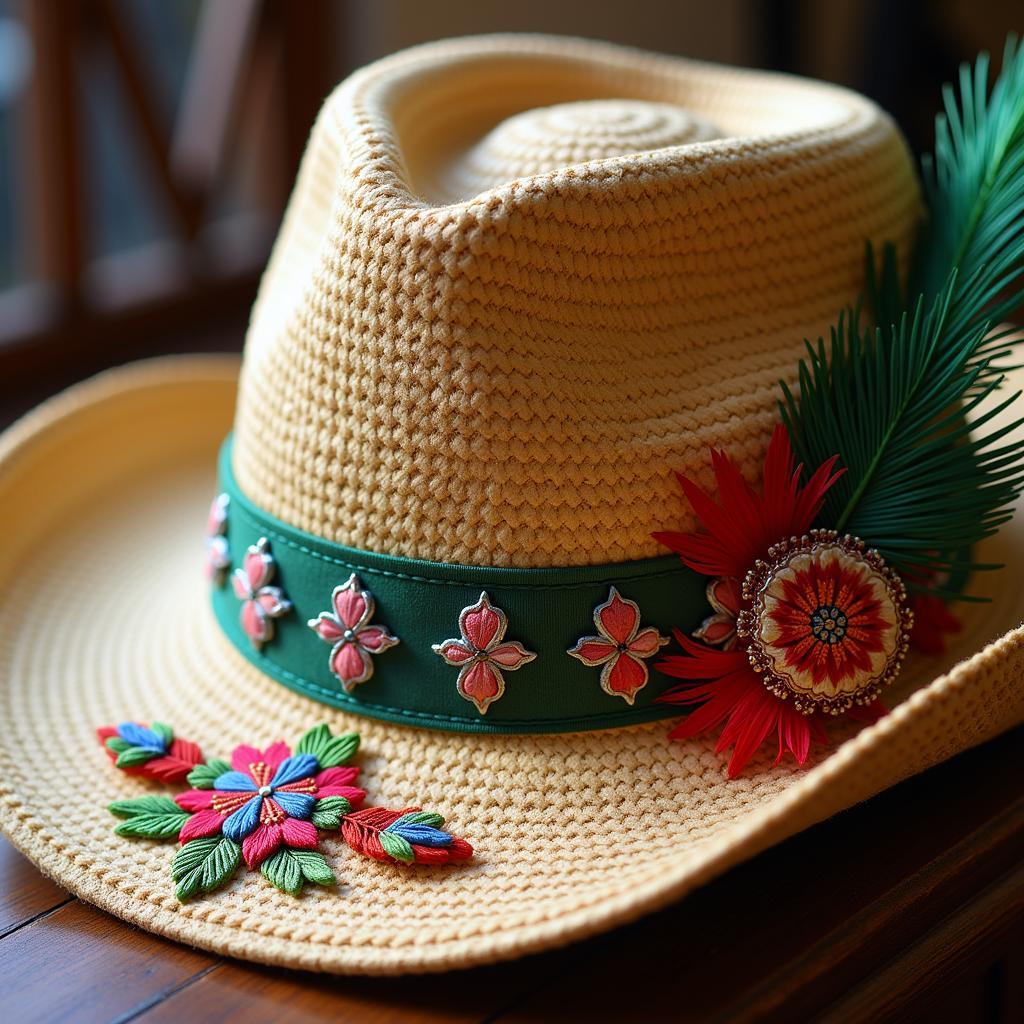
x,y
552,138
521,281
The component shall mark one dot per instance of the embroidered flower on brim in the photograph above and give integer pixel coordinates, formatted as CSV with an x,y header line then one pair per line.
x,y
267,808
266,800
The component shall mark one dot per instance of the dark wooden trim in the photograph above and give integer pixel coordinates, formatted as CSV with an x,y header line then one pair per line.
x,y
55,181
268,60
155,131
210,99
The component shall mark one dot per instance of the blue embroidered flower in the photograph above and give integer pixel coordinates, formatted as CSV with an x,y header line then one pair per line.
x,y
266,800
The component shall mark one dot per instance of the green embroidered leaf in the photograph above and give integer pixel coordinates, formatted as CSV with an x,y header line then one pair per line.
x,y
204,864
154,826
397,847
329,750
132,757
314,867
283,870
116,744
328,812
144,805
165,732
203,776
288,869
149,817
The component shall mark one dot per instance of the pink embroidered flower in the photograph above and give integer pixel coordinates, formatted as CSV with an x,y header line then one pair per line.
x,y
267,808
261,603
620,647
217,560
481,654
266,801
355,639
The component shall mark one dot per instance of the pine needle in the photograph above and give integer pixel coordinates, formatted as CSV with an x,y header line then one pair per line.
x,y
974,185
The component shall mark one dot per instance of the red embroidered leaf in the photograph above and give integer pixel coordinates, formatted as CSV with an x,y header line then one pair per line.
x,y
175,766
362,830
409,836
151,752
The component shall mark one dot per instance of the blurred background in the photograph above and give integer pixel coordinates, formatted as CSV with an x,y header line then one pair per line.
x,y
147,147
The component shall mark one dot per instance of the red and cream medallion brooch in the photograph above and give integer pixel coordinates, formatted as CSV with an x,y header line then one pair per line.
x,y
806,623
826,622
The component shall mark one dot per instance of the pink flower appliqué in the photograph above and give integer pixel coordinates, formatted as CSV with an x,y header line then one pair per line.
x,y
620,648
481,655
261,603
725,596
355,639
217,559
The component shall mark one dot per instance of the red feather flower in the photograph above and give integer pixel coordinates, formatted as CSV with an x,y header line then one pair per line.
x,y
737,532
740,529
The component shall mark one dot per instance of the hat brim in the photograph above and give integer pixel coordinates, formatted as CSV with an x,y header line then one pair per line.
x,y
104,616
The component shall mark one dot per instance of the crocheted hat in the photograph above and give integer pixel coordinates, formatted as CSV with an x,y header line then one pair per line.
x,y
535,510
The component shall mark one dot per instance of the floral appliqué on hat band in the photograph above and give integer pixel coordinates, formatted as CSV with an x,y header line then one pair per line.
x,y
261,602
266,808
620,647
482,654
806,623
350,630
218,561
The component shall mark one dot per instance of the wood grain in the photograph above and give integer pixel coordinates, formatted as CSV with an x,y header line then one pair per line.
x,y
79,964
24,892
943,960
241,994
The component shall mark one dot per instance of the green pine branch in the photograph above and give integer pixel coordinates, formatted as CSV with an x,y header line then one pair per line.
x,y
974,186
911,416
910,406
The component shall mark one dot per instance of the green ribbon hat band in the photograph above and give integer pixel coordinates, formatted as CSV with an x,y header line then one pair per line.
x,y
546,611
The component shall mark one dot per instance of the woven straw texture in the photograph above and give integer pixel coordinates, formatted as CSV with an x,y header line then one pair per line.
x,y
521,279
104,615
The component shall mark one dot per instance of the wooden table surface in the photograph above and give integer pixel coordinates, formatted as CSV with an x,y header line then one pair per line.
x,y
908,908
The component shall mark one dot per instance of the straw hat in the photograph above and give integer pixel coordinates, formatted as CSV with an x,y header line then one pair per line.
x,y
521,281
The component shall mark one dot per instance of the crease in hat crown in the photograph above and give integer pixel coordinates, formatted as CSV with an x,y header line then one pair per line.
x,y
523,279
